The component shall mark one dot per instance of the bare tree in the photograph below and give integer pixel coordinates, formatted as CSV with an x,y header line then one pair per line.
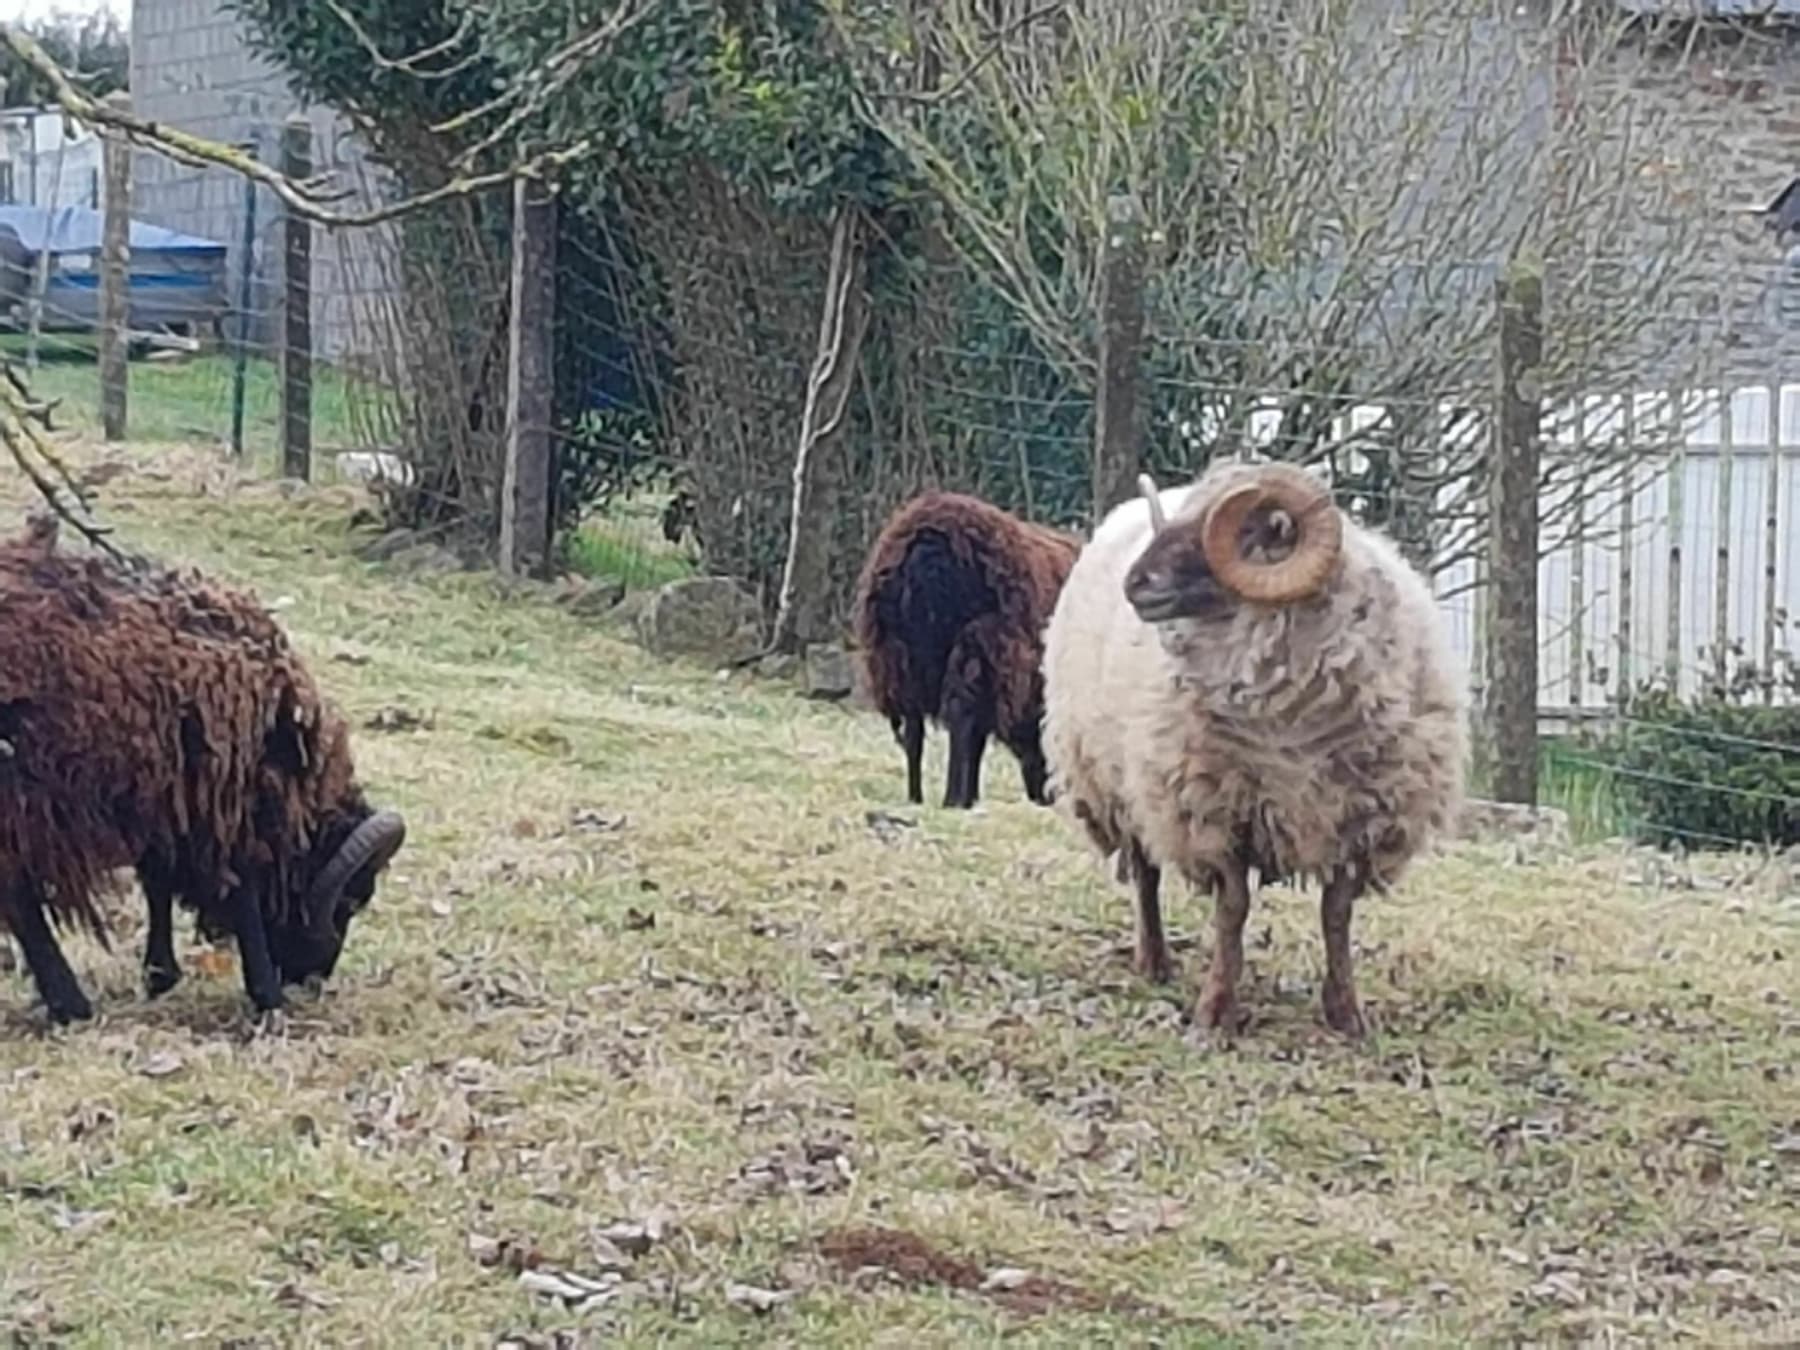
x,y
1332,187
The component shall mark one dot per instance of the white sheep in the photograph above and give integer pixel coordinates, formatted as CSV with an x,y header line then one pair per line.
x,y
1238,677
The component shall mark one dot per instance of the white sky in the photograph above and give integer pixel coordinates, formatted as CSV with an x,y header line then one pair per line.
x,y
40,9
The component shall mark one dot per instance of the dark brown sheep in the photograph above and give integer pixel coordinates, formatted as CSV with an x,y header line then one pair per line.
x,y
158,722
949,619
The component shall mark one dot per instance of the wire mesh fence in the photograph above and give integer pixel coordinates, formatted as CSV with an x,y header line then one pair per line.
x,y
687,317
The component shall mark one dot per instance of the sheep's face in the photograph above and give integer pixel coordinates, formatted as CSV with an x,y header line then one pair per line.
x,y
1171,579
347,858
1267,536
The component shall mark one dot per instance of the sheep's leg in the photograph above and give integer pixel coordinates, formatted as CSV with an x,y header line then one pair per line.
x,y
260,979
953,770
1217,1007
56,983
1152,959
161,971
1339,996
912,740
972,766
1034,774
962,785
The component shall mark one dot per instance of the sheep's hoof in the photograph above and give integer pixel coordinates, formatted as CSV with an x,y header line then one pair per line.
x,y
159,980
1217,1017
1204,1038
1342,1014
1154,966
72,1008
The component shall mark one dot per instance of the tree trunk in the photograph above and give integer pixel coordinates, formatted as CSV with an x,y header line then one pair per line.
x,y
843,320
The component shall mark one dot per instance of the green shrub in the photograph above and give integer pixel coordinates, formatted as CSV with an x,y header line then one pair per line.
x,y
1718,768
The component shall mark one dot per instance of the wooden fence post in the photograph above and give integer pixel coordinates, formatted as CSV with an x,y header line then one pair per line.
x,y
240,354
1772,544
1627,563
1513,539
1677,526
115,279
526,486
1722,578
1118,405
296,308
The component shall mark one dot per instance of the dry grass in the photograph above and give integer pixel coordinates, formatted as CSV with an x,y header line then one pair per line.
x,y
646,955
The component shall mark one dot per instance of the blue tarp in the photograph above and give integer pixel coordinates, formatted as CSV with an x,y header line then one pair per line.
x,y
77,229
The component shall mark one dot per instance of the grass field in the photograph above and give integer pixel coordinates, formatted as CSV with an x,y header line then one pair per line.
x,y
189,399
666,951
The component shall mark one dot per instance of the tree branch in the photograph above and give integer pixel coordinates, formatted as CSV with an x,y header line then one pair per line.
x,y
301,198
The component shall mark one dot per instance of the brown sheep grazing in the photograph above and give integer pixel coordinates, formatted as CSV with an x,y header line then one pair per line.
x,y
949,619
158,722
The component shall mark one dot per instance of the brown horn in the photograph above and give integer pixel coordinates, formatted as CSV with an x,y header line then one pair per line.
x,y
1152,499
371,844
1318,543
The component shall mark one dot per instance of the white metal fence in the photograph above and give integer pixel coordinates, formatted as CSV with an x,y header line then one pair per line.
x,y
1660,560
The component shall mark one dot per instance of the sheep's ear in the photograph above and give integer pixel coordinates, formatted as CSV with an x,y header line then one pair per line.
x,y
1152,499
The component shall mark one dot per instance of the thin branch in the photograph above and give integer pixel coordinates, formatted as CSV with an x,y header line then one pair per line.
x,y
47,472
302,198
532,93
973,69
410,65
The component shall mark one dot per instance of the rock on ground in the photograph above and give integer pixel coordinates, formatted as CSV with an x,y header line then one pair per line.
x,y
828,671
1483,819
710,618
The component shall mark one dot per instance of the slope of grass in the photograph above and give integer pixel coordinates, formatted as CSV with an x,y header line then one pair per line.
x,y
665,950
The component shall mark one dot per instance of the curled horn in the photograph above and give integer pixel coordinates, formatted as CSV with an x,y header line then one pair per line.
x,y
1152,499
370,845
1319,537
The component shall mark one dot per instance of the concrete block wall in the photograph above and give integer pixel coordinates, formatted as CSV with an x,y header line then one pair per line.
x,y
192,68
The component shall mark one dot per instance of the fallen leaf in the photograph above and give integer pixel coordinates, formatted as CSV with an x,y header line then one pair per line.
x,y
1004,1277
74,1220
754,1299
396,719
638,1236
213,963
587,818
606,1253
578,1293
291,1295
162,1064
1562,1287
887,825
508,1253
1160,1216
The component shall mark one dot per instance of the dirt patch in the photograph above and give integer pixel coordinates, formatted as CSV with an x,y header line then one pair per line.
x,y
913,1262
